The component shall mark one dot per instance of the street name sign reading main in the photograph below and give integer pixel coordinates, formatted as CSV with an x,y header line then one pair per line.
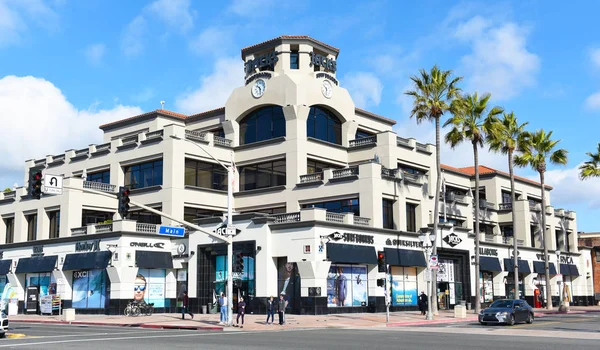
x,y
53,184
171,231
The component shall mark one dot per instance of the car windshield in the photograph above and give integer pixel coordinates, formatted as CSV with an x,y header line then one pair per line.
x,y
502,303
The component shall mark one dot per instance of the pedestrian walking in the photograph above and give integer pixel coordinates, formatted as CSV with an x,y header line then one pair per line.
x,y
281,305
223,303
186,306
271,310
241,312
422,301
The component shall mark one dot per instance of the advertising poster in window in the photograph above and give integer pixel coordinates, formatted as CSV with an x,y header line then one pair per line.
x,y
359,285
347,286
404,286
288,281
488,287
89,289
149,286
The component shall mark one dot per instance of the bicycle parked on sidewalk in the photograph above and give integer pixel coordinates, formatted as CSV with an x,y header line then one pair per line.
x,y
132,309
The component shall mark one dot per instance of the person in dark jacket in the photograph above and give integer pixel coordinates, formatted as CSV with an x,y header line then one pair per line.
x,y
241,312
281,305
270,310
186,306
422,302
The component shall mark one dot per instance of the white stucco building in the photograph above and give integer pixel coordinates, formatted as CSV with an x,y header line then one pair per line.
x,y
321,187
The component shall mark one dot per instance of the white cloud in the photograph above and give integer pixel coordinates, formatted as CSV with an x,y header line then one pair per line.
x,y
213,40
214,88
595,56
250,8
499,61
95,52
365,88
37,107
174,13
132,39
570,191
16,16
592,102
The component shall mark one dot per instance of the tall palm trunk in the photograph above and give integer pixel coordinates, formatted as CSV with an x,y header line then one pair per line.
x,y
544,242
436,211
477,282
514,222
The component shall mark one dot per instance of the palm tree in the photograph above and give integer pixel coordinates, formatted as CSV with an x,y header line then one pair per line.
x,y
537,149
510,136
473,123
433,94
591,168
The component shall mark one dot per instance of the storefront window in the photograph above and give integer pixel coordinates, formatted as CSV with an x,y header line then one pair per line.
x,y
288,281
510,286
90,289
347,285
404,286
44,281
486,280
150,286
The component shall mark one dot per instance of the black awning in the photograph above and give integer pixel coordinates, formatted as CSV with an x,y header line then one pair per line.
x,y
37,264
487,263
87,261
509,265
153,260
574,270
524,266
538,267
350,253
5,266
404,257
565,270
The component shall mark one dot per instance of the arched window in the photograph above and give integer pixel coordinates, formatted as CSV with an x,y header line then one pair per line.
x,y
263,124
323,125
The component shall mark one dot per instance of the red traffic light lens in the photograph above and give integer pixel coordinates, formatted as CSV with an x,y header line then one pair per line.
x,y
126,192
380,256
37,176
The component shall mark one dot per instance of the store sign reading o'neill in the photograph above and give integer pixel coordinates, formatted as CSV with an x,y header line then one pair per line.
x,y
159,245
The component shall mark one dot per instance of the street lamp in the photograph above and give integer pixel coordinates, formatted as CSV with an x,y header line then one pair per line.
x,y
427,240
230,229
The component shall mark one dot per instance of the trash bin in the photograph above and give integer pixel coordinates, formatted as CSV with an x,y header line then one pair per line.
x,y
204,309
463,303
210,308
468,306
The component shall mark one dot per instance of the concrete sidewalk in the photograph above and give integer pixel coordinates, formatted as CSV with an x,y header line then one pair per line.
x,y
257,322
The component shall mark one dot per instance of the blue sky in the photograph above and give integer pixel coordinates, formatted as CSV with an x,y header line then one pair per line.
x,y
68,66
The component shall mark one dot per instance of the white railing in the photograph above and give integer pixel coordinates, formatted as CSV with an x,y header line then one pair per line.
x,y
339,173
311,178
195,135
40,161
79,231
11,194
489,238
401,141
129,140
286,217
363,141
422,147
359,220
82,152
221,141
58,158
389,173
413,177
145,228
334,217
99,186
103,228
154,134
559,212
505,206
103,147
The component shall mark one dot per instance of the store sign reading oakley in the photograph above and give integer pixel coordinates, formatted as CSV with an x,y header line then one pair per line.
x,y
87,246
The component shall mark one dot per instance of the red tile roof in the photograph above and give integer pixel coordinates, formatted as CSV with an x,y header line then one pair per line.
x,y
158,111
283,37
484,170
206,113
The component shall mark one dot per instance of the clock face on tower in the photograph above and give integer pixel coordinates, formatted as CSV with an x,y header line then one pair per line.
x,y
259,88
327,88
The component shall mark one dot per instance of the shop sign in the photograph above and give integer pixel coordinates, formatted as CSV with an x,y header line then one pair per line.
x,y
563,259
323,61
403,243
181,252
93,246
336,236
80,274
261,61
261,75
159,245
328,77
356,238
488,251
38,250
452,239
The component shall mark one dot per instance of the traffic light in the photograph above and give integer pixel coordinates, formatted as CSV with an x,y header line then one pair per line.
x,y
123,198
35,185
381,265
238,263
381,282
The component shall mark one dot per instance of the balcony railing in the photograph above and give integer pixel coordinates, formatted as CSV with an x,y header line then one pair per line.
x,y
363,141
103,147
10,194
401,141
390,173
40,162
346,172
559,212
412,177
308,178
334,217
58,158
83,152
145,228
221,141
483,204
154,134
79,231
422,147
489,238
359,220
195,135
505,206
535,207
102,228
286,217
99,186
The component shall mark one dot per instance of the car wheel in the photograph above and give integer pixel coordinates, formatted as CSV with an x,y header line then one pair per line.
x,y
3,335
483,323
511,320
529,319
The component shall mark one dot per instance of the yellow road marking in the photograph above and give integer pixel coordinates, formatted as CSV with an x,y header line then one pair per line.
x,y
15,335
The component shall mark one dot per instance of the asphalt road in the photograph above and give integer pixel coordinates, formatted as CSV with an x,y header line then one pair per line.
x,y
43,336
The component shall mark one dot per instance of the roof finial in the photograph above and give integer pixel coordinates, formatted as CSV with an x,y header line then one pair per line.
x,y
162,104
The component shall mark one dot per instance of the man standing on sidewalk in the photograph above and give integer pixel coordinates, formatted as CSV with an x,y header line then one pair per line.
x,y
281,305
186,306
223,303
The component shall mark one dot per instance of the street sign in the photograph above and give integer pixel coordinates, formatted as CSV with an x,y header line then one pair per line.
x,y
224,231
53,184
433,262
171,231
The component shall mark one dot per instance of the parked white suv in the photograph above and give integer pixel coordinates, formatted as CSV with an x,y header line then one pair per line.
x,y
3,324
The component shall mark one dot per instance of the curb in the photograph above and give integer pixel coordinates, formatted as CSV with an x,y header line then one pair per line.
x,y
419,323
131,325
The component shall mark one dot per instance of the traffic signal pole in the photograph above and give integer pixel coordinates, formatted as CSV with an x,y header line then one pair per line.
x,y
230,228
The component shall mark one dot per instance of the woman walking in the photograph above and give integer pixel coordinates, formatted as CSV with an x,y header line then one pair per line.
x,y
241,312
270,310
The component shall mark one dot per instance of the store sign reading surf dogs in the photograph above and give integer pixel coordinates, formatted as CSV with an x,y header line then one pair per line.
x,y
351,237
